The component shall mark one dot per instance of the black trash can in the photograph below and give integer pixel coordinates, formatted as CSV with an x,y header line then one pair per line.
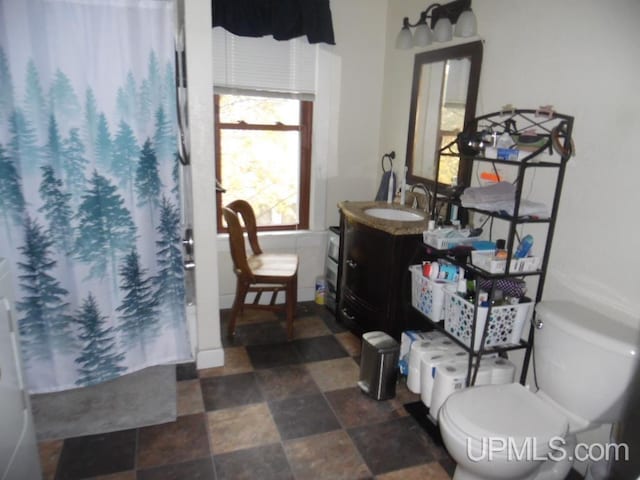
x,y
379,365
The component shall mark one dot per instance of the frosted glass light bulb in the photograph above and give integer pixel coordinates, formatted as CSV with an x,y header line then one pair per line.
x,y
443,31
404,40
422,35
466,25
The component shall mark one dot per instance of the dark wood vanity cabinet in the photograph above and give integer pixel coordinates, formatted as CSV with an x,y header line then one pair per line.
x,y
374,279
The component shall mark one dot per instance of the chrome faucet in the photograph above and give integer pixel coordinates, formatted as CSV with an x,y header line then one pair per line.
x,y
427,195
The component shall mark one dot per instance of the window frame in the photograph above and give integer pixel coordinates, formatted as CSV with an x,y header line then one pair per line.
x,y
305,129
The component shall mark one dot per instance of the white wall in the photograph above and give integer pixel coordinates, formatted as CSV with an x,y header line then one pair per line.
x,y
581,57
357,65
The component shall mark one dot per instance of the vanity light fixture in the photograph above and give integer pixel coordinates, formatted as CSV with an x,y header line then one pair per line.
x,y
442,18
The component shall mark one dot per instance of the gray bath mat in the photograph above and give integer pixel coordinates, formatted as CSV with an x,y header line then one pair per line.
x,y
147,397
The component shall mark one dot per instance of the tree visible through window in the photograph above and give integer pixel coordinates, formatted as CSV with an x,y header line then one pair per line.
x,y
263,151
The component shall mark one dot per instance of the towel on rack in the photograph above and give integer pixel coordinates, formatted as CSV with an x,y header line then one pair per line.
x,y
383,190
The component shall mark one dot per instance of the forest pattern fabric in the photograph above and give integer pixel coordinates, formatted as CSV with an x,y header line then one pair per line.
x,y
89,197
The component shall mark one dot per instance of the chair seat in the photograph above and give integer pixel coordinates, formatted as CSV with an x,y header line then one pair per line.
x,y
273,265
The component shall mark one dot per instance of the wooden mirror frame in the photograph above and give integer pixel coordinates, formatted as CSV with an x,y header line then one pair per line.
x,y
471,50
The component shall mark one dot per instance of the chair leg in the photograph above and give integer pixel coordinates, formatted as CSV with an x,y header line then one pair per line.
x,y
291,300
295,294
241,293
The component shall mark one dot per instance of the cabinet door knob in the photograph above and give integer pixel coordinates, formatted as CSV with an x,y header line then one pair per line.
x,y
351,263
345,312
537,323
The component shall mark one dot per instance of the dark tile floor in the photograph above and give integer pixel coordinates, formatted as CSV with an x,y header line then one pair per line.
x,y
276,410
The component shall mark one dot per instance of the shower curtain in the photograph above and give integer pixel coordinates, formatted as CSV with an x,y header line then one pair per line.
x,y
89,199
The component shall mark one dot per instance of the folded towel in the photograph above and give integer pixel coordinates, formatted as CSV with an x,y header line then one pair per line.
x,y
497,192
501,197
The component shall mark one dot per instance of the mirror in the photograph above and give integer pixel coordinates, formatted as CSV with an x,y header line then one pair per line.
x,y
443,100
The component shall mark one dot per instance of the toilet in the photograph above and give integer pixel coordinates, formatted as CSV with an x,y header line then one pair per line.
x,y
584,363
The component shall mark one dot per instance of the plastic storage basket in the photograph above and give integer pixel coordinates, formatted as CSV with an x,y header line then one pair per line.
x,y
505,325
485,259
445,239
427,295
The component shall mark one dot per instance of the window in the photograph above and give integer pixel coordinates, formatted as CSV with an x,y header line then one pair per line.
x,y
263,155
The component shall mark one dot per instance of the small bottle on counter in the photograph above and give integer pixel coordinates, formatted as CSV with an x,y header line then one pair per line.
x,y
498,298
471,290
462,287
524,247
321,287
483,298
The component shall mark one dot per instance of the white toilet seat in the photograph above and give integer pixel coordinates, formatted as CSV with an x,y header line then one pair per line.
x,y
509,412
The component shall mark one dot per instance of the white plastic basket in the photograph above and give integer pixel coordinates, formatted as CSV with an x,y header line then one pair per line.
x,y
505,325
485,259
427,295
445,239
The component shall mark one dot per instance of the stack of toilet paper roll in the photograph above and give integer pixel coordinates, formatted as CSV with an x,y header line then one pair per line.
x,y
436,367
438,342
429,364
451,376
408,338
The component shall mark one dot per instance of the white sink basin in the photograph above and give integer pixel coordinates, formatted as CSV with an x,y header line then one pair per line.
x,y
393,214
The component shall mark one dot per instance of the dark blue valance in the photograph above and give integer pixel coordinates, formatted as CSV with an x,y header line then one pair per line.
x,y
283,19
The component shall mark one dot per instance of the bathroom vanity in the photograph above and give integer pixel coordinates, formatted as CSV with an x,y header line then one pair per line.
x,y
375,253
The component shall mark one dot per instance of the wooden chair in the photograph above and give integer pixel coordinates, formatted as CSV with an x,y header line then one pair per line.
x,y
259,272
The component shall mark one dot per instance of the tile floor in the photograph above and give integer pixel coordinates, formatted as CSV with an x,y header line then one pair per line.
x,y
276,410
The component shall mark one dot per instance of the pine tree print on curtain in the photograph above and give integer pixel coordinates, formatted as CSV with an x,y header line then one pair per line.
x,y
139,322
12,202
148,184
89,195
56,210
99,359
45,324
106,230
169,283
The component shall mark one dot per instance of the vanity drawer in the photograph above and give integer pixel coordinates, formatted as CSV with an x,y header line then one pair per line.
x,y
333,246
357,316
331,273
367,264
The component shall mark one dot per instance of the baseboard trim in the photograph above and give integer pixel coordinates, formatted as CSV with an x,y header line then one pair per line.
x,y
210,358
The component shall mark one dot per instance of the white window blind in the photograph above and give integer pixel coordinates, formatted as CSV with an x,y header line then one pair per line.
x,y
265,64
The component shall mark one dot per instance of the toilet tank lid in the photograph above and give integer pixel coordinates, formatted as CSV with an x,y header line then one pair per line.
x,y
591,326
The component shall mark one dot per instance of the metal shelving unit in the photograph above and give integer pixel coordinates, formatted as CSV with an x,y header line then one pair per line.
x,y
553,149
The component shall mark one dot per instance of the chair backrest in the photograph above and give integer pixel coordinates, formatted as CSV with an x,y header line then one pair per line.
x,y
232,213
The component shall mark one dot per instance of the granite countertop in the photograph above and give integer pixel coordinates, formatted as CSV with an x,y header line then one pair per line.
x,y
355,211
